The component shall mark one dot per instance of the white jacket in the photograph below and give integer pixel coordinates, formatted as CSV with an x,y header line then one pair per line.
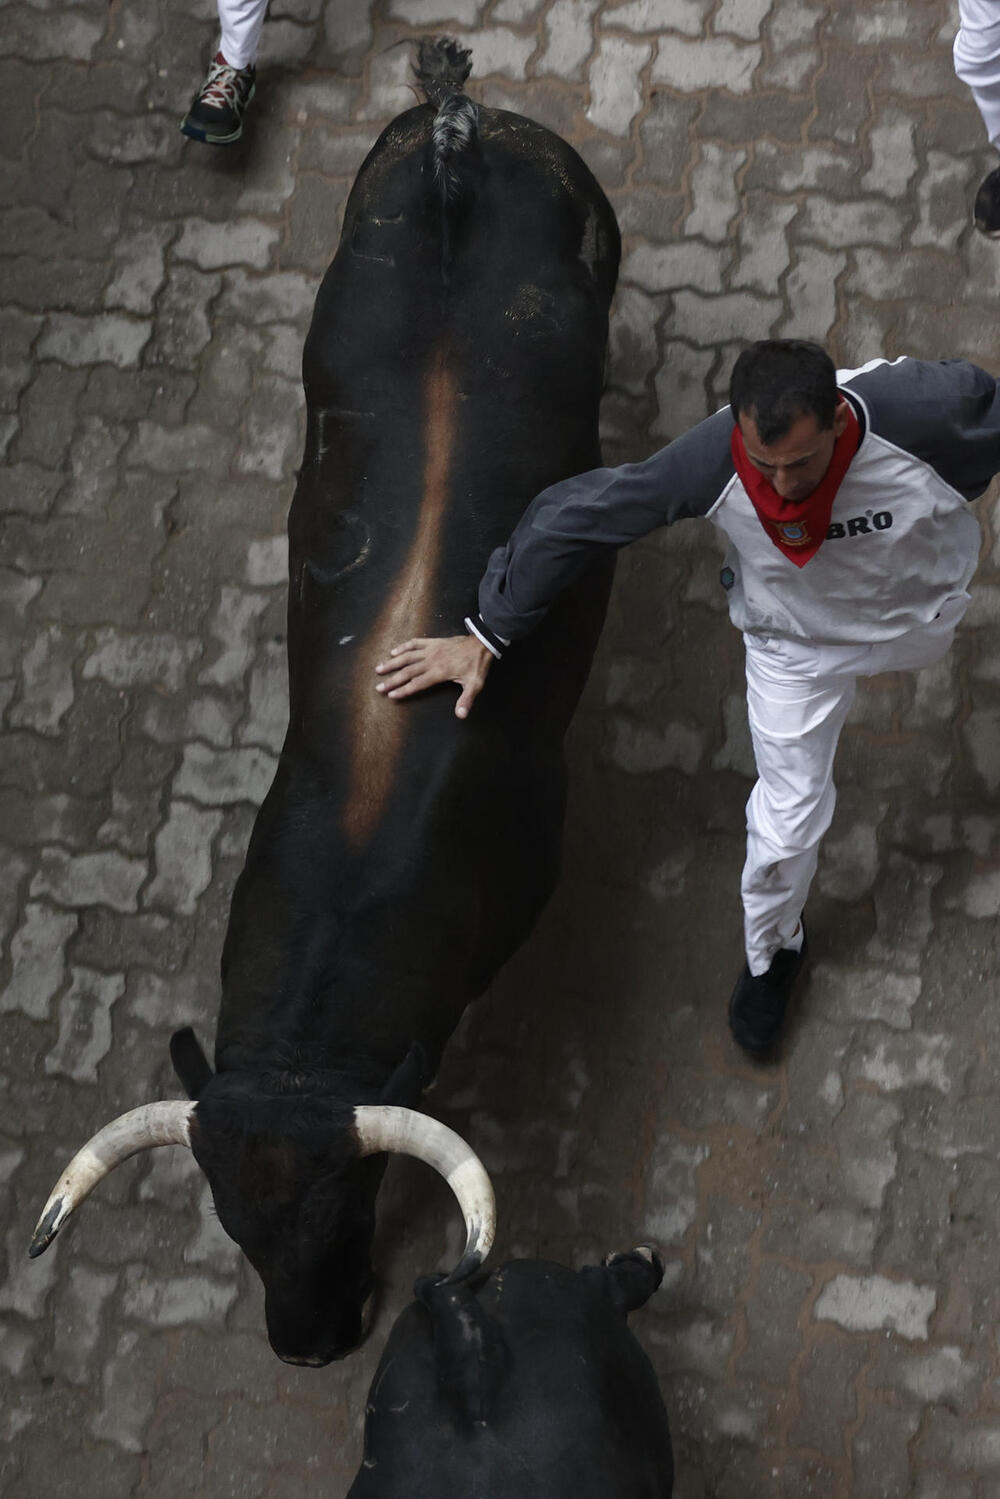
x,y
901,539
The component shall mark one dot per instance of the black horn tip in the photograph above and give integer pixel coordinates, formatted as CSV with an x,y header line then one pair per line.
x,y
46,1231
467,1265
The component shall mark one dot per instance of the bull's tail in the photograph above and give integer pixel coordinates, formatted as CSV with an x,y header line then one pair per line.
x,y
452,134
442,68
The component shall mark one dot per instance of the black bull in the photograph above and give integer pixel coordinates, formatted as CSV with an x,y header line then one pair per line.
x,y
525,1382
453,368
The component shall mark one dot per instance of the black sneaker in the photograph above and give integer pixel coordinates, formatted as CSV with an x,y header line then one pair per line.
x,y
987,210
758,1005
216,113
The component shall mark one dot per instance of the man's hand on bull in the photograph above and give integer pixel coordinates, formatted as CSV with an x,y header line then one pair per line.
x,y
418,664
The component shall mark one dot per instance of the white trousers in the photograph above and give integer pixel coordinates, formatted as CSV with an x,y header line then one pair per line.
x,y
977,59
241,22
798,697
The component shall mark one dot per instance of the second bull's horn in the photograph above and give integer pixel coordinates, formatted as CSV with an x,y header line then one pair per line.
x,y
167,1123
408,1132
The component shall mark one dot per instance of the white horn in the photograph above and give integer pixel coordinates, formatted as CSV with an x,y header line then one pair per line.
x,y
407,1132
167,1123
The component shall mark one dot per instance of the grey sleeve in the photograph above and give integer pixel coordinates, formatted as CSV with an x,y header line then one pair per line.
x,y
945,412
567,524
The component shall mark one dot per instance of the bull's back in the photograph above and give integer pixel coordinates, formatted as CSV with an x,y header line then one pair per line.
x,y
453,369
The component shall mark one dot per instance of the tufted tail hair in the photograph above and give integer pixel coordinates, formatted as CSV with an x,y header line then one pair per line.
x,y
442,67
441,70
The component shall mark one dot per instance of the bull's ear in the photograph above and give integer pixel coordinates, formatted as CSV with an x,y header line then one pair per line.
x,y
629,1279
190,1062
409,1079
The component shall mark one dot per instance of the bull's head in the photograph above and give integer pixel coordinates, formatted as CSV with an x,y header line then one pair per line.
x,y
294,1184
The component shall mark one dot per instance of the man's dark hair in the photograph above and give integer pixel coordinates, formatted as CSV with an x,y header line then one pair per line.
x,y
780,379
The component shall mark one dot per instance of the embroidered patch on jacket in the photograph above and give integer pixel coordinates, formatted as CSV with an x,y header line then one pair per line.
x,y
727,578
793,533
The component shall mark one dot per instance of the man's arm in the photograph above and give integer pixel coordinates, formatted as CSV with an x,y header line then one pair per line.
x,y
605,509
943,411
557,537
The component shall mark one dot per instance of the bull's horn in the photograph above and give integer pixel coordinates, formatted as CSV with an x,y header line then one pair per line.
x,y
167,1123
407,1132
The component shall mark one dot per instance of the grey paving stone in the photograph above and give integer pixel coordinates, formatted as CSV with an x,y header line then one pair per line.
x,y
939,1376
312,226
840,90
702,320
127,660
182,327
84,1016
615,90
46,411
720,62
140,259
664,136
724,1254
175,1460
821,1233
208,717
274,426
920,1212
267,717
183,858
815,1077
181,1299
941,193
923,76
115,941
881,1452
348,28
786,170
827,1394
894,21
810,288
695,1344
218,778
569,37
107,83
863,1134
70,35
78,1315
937,1485
37,962
773,1317
281,296
128,1396
865,1303
22,1292
168,450
30,490
63,1465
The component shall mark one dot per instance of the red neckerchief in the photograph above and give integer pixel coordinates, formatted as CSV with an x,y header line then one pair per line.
x,y
798,528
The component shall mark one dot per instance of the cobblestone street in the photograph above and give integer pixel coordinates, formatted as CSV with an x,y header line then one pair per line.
x,y
828,1324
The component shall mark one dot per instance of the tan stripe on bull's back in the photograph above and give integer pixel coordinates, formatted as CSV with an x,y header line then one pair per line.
x,y
379,724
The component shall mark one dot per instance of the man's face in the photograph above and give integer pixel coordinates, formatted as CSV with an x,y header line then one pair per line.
x,y
796,463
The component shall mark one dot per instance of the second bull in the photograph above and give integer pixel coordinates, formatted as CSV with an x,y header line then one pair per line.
x,y
522,1382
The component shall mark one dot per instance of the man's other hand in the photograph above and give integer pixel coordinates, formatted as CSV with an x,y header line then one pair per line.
x,y
418,664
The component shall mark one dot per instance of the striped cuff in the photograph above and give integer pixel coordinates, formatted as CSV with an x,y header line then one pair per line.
x,y
495,644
